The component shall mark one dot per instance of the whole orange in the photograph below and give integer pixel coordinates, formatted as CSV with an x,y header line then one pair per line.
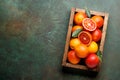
x,y
81,51
79,16
74,42
72,58
96,35
93,47
99,21
74,28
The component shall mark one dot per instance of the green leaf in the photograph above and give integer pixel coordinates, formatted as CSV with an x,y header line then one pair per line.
x,y
99,54
76,32
87,11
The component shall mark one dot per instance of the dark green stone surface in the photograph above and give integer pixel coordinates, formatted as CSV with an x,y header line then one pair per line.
x,y
33,33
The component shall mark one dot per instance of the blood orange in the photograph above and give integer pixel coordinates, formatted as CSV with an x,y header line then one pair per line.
x,y
92,60
72,57
99,20
96,35
89,24
85,37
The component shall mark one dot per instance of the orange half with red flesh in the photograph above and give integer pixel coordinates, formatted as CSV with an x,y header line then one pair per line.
x,y
89,24
85,37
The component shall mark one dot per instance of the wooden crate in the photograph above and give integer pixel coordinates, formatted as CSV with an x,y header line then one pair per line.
x,y
65,63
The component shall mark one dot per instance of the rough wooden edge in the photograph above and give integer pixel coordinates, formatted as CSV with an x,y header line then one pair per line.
x,y
82,67
91,11
79,10
68,36
104,30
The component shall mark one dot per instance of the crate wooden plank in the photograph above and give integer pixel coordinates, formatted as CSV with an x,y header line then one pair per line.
x,y
68,36
104,31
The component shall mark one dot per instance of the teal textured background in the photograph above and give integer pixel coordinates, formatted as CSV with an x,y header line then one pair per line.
x,y
33,34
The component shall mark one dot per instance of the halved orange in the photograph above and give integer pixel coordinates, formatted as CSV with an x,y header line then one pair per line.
x,y
89,24
85,37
